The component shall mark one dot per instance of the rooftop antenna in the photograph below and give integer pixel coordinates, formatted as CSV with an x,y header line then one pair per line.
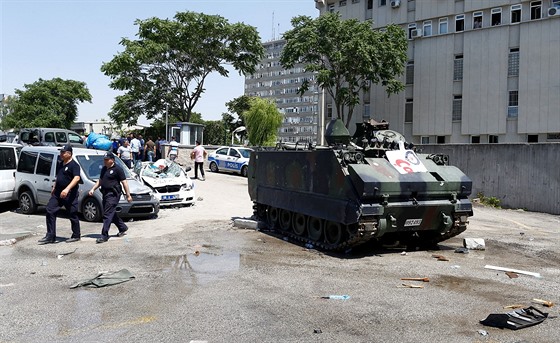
x,y
273,33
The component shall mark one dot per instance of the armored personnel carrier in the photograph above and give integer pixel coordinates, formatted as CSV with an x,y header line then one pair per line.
x,y
373,186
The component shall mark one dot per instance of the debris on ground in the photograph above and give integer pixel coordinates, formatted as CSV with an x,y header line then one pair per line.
x,y
512,275
336,297
246,223
317,331
423,279
7,242
440,257
407,285
483,332
544,302
106,279
512,307
65,253
515,320
403,253
474,243
504,269
462,251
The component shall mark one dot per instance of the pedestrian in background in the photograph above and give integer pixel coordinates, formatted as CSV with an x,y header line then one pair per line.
x,y
110,180
173,149
64,192
135,147
125,154
150,149
198,155
141,152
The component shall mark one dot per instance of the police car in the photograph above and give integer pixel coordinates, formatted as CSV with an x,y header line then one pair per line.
x,y
230,159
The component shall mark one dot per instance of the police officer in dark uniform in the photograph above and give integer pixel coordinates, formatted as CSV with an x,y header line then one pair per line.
x,y
64,193
110,180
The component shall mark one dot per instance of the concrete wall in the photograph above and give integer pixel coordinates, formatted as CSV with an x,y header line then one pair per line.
x,y
520,175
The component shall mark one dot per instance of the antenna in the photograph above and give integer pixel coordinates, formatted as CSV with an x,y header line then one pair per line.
x,y
273,33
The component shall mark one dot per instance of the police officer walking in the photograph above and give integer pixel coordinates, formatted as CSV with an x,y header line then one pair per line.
x,y
64,193
110,180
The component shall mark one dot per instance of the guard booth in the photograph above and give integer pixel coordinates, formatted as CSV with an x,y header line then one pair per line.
x,y
187,133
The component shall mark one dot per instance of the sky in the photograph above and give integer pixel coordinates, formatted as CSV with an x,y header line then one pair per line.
x,y
71,39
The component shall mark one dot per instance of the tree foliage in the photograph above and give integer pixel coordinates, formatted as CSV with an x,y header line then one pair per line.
x,y
234,118
46,103
347,55
262,120
215,132
169,62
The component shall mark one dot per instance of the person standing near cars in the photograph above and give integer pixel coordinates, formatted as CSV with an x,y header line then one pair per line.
x,y
198,155
150,148
173,149
125,154
135,147
110,180
64,193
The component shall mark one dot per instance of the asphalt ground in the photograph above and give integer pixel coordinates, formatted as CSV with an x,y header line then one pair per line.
x,y
198,278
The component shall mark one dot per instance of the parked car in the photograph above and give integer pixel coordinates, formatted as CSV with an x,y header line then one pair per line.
x,y
49,137
168,181
230,159
36,172
9,154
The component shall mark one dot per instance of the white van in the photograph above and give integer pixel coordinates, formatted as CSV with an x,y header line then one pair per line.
x,y
36,172
9,154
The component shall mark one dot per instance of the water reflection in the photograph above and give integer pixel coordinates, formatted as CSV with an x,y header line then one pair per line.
x,y
203,268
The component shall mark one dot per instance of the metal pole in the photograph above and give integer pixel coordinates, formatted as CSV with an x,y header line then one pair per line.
x,y
166,119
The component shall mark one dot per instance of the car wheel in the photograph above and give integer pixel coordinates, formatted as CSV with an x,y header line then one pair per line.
x,y
27,204
244,171
91,210
213,167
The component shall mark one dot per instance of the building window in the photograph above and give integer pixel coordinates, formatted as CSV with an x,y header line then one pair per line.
x,y
460,23
370,4
492,139
513,62
366,115
515,14
536,10
342,3
553,136
331,8
355,1
408,109
410,73
513,104
475,139
425,140
442,25
458,68
477,20
457,111
427,28
411,27
329,111
532,138
440,139
382,2
496,16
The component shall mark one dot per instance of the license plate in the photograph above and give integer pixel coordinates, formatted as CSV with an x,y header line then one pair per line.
x,y
169,197
413,222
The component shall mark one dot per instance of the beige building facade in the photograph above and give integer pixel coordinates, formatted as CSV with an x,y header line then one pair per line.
x,y
478,71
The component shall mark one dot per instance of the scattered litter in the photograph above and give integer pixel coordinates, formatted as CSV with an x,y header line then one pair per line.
x,y
199,199
317,331
65,253
44,263
7,242
513,307
403,253
423,279
462,251
246,223
106,279
512,275
522,233
407,285
515,320
455,266
503,269
483,332
40,226
336,297
474,243
196,253
531,239
440,257
544,302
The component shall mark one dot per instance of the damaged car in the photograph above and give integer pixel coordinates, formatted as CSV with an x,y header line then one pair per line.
x,y
168,180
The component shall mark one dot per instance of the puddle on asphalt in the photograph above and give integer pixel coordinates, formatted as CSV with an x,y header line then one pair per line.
x,y
204,268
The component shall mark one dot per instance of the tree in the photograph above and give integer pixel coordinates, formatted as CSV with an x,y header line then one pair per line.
x,y
6,104
347,55
262,121
47,103
166,67
214,132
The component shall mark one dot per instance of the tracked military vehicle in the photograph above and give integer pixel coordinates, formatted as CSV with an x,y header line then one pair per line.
x,y
373,186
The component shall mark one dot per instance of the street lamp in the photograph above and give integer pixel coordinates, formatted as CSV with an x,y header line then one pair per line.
x,y
239,129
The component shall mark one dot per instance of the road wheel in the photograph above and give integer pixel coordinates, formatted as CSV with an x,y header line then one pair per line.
x,y
333,232
298,224
27,204
213,167
315,228
285,220
244,171
91,210
273,216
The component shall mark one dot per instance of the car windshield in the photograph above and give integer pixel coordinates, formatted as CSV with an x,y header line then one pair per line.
x,y
92,164
245,152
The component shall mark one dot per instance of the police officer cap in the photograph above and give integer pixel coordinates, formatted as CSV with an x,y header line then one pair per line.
x,y
67,147
110,155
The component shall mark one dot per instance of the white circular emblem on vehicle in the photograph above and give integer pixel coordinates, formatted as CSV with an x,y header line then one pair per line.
x,y
65,169
111,172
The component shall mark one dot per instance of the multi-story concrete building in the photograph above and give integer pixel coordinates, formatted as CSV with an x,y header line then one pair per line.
x,y
479,71
271,81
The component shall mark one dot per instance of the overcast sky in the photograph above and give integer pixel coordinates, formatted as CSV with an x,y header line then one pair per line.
x,y
70,39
